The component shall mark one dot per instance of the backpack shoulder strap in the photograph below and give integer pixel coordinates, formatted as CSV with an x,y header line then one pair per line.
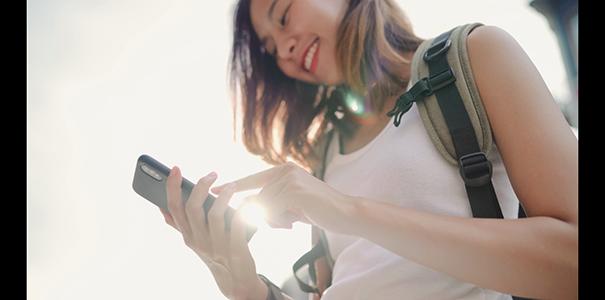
x,y
453,115
456,56
448,112
452,111
455,118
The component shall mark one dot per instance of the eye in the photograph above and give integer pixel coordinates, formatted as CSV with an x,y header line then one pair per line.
x,y
284,17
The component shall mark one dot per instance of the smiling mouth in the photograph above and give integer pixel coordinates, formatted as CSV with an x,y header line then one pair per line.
x,y
310,58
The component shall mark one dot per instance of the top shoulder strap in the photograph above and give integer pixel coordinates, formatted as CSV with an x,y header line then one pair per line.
x,y
429,109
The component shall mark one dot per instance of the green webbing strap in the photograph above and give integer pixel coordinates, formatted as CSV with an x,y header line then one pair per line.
x,y
309,259
274,293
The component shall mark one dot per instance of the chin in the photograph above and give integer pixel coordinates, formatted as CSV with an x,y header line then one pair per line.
x,y
331,81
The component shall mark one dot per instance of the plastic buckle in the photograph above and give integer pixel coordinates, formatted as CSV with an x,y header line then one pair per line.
x,y
444,46
475,169
436,82
442,79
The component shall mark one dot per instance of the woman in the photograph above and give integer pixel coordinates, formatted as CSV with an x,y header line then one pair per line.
x,y
392,231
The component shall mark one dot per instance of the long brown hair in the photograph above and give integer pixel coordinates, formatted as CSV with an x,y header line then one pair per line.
x,y
284,117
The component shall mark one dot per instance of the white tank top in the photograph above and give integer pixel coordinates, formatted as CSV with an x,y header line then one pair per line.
x,y
401,165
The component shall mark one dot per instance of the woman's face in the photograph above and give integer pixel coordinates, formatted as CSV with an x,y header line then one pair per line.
x,y
301,36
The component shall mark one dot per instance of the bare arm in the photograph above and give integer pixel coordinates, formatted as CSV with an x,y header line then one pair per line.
x,y
535,257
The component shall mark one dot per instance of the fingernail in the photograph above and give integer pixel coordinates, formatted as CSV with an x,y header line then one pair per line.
x,y
174,171
209,177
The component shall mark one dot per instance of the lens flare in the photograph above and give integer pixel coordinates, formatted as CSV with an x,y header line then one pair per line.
x,y
355,103
253,213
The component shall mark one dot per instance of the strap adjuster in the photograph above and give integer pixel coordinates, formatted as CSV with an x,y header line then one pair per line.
x,y
437,82
475,169
437,49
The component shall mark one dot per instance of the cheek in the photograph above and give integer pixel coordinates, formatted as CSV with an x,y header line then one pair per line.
x,y
326,15
318,17
288,68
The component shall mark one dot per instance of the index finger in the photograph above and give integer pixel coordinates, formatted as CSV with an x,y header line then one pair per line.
x,y
253,181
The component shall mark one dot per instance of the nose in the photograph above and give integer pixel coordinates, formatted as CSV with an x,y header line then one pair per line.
x,y
286,47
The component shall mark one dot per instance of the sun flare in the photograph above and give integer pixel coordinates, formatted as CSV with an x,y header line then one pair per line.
x,y
253,214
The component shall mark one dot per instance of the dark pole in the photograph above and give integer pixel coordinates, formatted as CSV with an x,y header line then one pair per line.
x,y
562,16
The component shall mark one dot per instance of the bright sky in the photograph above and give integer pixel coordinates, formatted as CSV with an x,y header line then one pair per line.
x,y
110,80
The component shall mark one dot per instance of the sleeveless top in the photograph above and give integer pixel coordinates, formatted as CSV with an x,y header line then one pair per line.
x,y
402,166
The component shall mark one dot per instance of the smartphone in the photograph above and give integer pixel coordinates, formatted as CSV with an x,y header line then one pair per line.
x,y
150,182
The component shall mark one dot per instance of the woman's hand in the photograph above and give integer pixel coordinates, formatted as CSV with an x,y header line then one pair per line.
x,y
289,194
225,252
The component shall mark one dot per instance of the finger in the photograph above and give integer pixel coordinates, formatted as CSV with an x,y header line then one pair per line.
x,y
168,218
199,194
254,181
280,213
283,221
272,201
175,203
216,224
195,211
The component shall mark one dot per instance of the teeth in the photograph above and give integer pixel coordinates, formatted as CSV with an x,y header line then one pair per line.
x,y
309,57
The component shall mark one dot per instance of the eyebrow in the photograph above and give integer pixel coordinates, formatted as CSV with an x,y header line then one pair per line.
x,y
270,17
271,8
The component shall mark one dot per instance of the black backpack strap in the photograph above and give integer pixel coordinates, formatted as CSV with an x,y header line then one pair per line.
x,y
475,168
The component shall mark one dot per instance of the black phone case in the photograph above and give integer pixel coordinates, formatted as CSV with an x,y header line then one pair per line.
x,y
150,182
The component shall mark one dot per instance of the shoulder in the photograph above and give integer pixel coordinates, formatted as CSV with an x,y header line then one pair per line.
x,y
509,84
491,48
488,34
536,144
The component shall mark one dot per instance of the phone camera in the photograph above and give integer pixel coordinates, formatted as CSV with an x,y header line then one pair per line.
x,y
149,171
